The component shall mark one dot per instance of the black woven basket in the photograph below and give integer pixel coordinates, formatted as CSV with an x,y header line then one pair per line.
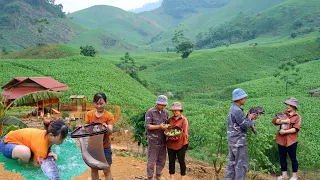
x,y
89,130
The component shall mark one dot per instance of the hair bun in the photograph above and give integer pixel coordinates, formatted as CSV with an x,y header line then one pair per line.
x,y
46,123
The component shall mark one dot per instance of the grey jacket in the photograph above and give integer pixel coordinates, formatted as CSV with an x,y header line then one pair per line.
x,y
155,117
238,124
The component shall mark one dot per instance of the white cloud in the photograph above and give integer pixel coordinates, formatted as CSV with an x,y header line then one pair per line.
x,y
75,5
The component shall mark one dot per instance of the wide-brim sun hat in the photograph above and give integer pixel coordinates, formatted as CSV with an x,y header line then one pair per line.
x,y
176,106
238,94
292,102
162,100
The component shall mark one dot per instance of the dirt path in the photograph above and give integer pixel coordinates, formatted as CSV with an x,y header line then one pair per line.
x,y
126,168
7,175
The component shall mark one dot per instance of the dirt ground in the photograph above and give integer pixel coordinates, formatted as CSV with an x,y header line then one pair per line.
x,y
128,166
6,175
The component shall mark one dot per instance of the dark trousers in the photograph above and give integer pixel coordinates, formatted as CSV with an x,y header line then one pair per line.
x,y
181,154
292,151
157,156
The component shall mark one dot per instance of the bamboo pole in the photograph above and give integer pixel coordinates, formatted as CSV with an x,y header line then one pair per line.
x,y
8,106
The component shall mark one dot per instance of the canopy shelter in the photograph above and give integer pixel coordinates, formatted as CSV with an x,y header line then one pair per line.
x,y
21,86
74,102
40,99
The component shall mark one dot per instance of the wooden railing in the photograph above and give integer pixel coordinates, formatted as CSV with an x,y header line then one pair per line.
x,y
114,109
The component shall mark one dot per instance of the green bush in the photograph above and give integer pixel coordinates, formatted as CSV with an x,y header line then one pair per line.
x,y
88,51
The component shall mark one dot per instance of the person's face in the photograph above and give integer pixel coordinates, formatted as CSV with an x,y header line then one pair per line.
x,y
56,139
161,107
290,108
176,113
242,101
100,105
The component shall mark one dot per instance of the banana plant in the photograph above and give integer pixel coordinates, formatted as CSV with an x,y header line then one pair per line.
x,y
8,129
11,122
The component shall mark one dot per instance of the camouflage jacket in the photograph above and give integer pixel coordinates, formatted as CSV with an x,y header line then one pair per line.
x,y
238,124
155,117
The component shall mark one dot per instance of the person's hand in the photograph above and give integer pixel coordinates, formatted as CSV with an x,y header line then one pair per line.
x,y
282,132
55,157
287,121
163,126
252,116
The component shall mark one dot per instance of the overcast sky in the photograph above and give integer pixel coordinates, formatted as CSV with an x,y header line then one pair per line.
x,y
75,5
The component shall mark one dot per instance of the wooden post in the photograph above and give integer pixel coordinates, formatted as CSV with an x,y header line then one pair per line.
x,y
42,108
37,111
83,105
71,108
58,104
51,106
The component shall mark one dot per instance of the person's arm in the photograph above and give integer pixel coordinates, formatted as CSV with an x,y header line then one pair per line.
x,y
155,127
242,120
294,129
51,153
289,131
87,119
185,127
39,156
148,125
109,124
277,121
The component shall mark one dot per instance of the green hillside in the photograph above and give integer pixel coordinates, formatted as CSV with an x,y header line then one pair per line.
x,y
97,75
104,42
291,18
211,70
206,18
18,28
262,33
128,26
271,86
270,94
50,51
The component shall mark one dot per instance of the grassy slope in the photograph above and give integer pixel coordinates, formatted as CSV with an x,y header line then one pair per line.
x,y
58,31
51,51
266,92
103,41
132,28
211,70
97,75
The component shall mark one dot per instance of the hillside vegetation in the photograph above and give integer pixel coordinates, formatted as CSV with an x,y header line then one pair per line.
x,y
203,70
51,51
85,76
18,28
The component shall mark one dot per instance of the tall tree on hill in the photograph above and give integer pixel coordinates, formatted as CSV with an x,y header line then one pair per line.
x,y
40,27
183,45
88,51
289,74
128,65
